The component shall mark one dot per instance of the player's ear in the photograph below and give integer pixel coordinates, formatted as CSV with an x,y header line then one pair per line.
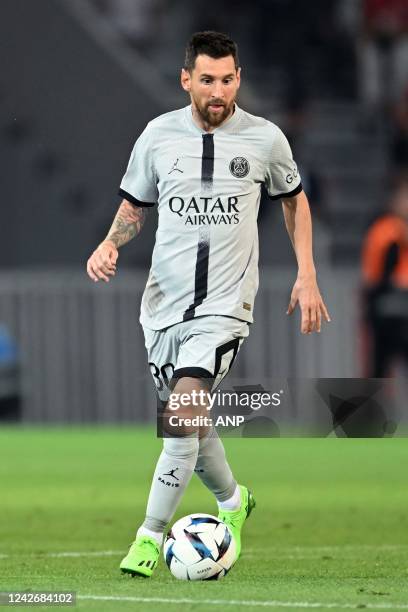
x,y
238,77
185,79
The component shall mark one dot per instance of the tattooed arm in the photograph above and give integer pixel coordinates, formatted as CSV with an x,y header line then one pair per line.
x,y
126,225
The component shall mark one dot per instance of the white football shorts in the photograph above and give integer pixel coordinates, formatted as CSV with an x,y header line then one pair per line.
x,y
204,347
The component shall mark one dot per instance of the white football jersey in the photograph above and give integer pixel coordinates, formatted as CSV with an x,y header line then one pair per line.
x,y
207,187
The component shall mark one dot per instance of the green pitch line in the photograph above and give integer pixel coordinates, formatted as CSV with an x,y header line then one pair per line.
x,y
330,526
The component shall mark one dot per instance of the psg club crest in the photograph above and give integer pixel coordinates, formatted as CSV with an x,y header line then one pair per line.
x,y
239,167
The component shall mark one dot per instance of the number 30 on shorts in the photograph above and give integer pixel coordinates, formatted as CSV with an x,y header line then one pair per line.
x,y
162,376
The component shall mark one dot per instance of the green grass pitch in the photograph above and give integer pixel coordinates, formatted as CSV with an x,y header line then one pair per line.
x,y
330,527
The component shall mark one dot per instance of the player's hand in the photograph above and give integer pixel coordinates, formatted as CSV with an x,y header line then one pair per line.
x,y
102,262
306,292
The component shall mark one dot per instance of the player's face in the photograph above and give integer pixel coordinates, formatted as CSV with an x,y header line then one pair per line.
x,y
212,85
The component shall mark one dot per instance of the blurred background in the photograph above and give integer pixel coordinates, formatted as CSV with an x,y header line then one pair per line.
x,y
78,82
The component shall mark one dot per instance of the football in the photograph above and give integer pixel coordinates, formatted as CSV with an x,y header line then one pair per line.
x,y
199,547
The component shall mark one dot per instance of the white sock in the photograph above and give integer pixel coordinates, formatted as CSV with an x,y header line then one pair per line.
x,y
156,535
233,502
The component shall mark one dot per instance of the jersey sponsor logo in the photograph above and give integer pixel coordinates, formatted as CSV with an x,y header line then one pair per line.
x,y
175,168
206,210
239,167
292,175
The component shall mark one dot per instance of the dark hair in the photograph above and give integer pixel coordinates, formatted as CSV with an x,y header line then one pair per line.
x,y
214,44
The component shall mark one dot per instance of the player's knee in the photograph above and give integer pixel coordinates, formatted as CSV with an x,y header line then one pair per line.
x,y
181,448
186,407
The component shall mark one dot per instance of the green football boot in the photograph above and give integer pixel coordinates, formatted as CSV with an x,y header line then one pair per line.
x,y
142,557
236,518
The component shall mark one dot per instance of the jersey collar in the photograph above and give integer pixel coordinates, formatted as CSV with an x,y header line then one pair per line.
x,y
227,126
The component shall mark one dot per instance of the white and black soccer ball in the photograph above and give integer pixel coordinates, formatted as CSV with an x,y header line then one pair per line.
x,y
199,547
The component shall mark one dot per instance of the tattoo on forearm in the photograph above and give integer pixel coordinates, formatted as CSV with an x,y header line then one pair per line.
x,y
127,224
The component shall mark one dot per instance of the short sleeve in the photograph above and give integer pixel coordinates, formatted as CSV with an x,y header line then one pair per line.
x,y
139,184
282,178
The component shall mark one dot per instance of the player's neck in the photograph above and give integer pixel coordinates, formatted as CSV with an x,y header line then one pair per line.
x,y
204,125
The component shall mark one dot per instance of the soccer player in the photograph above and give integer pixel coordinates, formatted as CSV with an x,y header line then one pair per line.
x,y
203,165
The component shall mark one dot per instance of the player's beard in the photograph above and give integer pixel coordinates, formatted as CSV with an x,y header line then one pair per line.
x,y
211,118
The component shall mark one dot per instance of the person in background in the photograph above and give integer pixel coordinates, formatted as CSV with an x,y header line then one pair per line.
x,y
383,53
385,277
